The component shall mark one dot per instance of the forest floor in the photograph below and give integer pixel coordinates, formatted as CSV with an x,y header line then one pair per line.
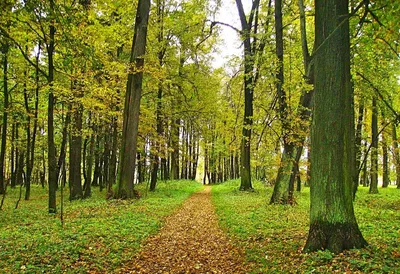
x,y
273,236
189,242
182,228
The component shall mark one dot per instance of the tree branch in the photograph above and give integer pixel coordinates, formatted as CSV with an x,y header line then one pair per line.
x,y
396,114
5,33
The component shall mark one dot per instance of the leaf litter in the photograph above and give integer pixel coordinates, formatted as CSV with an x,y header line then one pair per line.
x,y
190,242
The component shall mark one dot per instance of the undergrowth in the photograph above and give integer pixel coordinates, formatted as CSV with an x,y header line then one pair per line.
x,y
273,236
98,235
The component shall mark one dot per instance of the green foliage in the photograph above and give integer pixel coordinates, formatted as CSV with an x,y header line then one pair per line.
x,y
98,235
273,235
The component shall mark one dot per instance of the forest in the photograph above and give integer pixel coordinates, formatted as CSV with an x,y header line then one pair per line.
x,y
127,148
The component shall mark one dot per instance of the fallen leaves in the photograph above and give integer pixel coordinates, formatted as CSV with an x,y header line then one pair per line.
x,y
190,242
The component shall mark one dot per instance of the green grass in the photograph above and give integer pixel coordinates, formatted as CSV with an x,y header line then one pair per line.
x,y
98,235
273,236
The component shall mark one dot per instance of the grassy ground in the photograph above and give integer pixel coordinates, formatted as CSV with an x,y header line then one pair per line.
x,y
273,236
98,235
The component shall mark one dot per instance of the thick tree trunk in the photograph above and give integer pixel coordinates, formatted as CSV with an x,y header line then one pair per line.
x,y
51,147
249,85
373,187
75,156
333,225
130,127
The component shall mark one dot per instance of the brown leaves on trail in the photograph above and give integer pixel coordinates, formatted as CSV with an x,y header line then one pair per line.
x,y
189,242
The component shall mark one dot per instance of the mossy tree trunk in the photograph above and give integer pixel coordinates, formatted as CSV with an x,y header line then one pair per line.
x,y
132,105
333,225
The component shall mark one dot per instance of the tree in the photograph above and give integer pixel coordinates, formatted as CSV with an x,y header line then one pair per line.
x,y
293,140
333,224
396,154
249,27
373,187
132,104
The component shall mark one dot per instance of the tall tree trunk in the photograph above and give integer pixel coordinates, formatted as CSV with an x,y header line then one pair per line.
x,y
175,146
106,158
13,152
385,164
75,155
63,149
51,148
396,154
281,188
31,156
249,85
156,157
287,172
113,159
29,163
97,160
333,225
5,115
132,105
87,187
364,177
358,139
159,123
373,187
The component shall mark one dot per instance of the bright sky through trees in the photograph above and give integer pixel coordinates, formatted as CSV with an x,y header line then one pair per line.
x,y
230,45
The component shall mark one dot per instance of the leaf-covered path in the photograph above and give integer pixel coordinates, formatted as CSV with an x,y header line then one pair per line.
x,y
190,242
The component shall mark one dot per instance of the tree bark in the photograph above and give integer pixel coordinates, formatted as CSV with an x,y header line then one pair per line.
x,y
333,225
287,172
113,159
358,139
128,151
75,155
175,146
249,83
385,164
396,154
51,148
5,120
373,187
